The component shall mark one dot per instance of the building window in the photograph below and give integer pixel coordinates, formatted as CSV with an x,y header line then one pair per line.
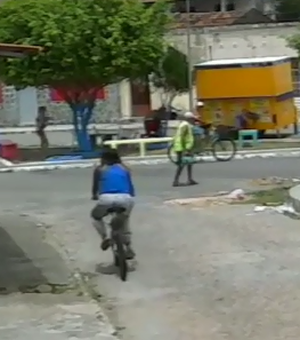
x,y
295,76
229,7
217,7
179,7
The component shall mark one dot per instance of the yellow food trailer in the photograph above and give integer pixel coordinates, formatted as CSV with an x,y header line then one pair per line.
x,y
260,85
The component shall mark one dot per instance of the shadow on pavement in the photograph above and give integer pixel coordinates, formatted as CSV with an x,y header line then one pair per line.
x,y
17,271
26,261
111,269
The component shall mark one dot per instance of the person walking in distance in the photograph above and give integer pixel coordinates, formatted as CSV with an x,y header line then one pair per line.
x,y
183,146
42,121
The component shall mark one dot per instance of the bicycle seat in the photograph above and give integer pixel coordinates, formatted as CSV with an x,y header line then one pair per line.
x,y
118,210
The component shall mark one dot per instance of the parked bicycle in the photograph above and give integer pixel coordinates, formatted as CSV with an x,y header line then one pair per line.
x,y
216,142
117,244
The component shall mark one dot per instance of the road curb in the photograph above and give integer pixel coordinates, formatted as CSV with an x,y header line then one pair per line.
x,y
150,160
294,195
44,167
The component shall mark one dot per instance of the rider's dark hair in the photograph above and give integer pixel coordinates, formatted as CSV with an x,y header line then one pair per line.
x,y
110,156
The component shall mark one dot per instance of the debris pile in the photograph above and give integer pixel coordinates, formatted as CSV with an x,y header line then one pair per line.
x,y
221,198
237,195
272,197
285,209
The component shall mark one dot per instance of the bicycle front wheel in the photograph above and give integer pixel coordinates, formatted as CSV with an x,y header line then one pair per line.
x,y
224,150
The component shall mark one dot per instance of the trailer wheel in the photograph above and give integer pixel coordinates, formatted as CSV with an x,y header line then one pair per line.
x,y
261,134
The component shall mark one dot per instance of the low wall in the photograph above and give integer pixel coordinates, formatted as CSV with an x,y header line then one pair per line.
x,y
294,195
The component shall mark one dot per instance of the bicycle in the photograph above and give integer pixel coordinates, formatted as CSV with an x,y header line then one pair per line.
x,y
117,244
209,145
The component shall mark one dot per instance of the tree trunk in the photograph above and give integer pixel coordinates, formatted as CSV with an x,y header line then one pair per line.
x,y
81,116
43,141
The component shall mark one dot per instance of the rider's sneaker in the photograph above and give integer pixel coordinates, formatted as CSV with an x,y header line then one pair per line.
x,y
130,254
105,244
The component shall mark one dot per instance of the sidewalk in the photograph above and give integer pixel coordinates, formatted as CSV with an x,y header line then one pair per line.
x,y
69,127
41,300
62,135
27,262
50,317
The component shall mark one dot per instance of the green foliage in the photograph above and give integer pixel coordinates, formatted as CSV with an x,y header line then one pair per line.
x,y
288,10
173,74
294,42
87,43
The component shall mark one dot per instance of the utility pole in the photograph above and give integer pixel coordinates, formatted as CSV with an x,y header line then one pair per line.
x,y
223,5
189,54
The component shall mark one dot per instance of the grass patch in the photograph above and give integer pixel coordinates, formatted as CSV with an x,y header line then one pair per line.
x,y
268,197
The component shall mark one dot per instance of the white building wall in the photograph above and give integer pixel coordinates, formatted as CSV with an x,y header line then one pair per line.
x,y
240,41
237,41
240,5
249,42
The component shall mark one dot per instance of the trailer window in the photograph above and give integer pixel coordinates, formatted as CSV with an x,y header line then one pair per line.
x,y
296,76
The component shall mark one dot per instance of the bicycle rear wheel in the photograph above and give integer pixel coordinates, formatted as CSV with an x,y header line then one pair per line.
x,y
120,257
224,150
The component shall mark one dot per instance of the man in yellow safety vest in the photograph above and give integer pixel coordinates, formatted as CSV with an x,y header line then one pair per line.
x,y
183,145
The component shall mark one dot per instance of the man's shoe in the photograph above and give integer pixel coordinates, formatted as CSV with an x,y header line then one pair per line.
x,y
192,182
177,184
130,254
105,244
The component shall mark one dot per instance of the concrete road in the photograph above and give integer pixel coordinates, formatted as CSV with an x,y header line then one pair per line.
x,y
215,273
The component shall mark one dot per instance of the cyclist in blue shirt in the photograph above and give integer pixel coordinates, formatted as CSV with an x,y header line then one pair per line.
x,y
112,187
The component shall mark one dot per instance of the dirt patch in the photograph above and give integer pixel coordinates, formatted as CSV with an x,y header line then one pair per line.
x,y
36,155
272,182
207,201
275,195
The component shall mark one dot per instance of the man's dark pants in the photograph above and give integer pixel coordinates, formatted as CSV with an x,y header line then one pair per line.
x,y
180,166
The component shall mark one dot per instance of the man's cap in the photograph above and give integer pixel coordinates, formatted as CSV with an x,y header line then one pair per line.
x,y
189,114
